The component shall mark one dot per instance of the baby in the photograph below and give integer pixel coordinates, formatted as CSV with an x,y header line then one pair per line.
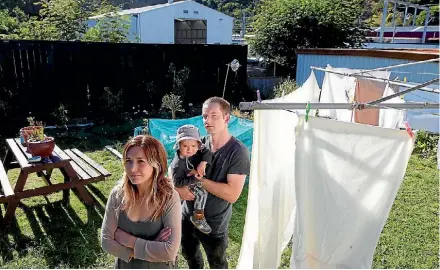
x,y
191,154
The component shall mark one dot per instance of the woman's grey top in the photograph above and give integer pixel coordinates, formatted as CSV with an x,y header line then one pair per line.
x,y
147,252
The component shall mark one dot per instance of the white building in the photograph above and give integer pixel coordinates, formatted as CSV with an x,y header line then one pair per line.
x,y
180,22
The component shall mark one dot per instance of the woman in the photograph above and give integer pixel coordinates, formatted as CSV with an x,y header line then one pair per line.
x,y
142,222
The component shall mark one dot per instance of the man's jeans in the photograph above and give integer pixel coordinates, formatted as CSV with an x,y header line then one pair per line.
x,y
214,246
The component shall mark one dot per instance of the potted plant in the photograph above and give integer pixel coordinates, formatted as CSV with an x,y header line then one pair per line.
x,y
40,147
35,128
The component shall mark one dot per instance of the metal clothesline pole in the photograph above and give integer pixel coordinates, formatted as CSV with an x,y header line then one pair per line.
x,y
350,106
226,79
399,83
404,92
400,65
255,105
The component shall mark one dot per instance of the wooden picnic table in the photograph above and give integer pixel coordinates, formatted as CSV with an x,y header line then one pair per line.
x,y
77,169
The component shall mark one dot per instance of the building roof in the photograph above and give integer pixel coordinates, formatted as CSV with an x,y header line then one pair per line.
x,y
408,54
134,11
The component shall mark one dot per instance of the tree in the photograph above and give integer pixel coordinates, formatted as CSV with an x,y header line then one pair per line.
x,y
58,20
281,26
433,16
110,27
27,6
11,4
173,103
230,7
233,8
10,23
66,20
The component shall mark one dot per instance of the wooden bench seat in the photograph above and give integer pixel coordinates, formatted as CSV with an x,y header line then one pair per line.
x,y
8,192
87,170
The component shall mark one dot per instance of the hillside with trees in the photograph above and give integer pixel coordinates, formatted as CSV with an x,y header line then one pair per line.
x,y
277,26
372,9
64,20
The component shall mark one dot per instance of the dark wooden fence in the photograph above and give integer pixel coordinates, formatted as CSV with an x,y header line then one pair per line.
x,y
37,76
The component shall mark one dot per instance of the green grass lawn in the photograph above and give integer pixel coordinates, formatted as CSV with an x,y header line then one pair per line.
x,y
48,233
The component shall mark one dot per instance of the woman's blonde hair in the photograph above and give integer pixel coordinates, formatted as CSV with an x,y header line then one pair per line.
x,y
161,189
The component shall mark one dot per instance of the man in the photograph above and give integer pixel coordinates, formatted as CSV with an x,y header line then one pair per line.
x,y
224,182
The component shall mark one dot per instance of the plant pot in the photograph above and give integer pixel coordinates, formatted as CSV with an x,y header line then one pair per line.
x,y
27,131
41,148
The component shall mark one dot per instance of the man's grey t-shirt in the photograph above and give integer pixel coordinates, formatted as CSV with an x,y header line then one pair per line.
x,y
232,158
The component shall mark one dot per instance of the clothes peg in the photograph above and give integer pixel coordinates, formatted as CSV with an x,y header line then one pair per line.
x,y
258,96
408,129
307,111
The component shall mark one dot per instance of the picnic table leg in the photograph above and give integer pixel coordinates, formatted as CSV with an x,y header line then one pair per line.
x,y
46,176
49,174
80,188
85,195
7,160
12,206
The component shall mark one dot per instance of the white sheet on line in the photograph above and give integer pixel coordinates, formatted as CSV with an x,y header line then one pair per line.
x,y
271,198
347,177
392,118
341,89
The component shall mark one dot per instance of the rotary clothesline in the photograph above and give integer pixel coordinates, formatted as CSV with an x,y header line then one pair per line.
x,y
257,105
373,78
405,91
427,99
363,215
360,74
298,106
399,66
415,73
